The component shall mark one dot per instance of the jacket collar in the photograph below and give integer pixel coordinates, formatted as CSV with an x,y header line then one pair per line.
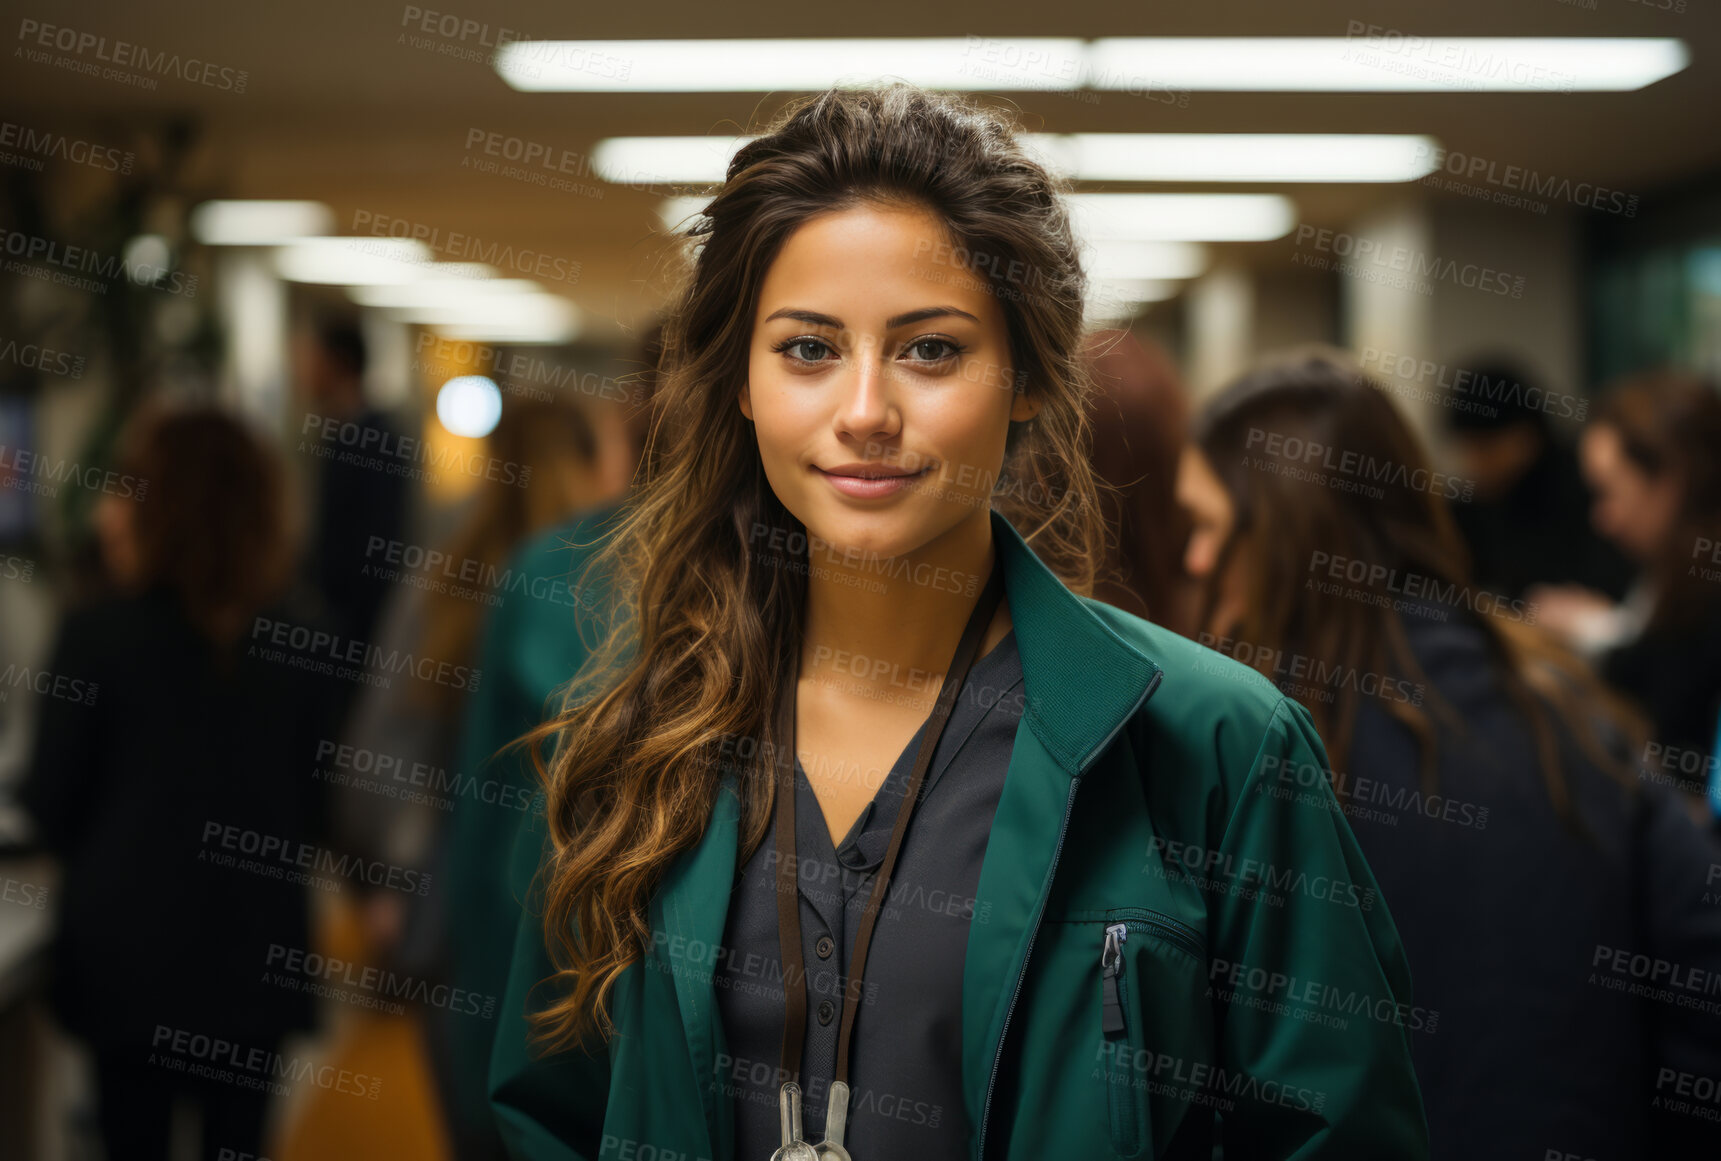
x,y
1082,683
1082,679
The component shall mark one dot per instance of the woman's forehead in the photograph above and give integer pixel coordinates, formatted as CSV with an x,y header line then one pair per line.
x,y
869,264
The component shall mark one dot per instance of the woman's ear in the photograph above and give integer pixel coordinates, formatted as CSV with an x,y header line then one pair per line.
x,y
746,401
1024,406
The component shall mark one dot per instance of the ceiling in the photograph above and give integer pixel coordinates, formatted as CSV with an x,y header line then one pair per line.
x,y
341,106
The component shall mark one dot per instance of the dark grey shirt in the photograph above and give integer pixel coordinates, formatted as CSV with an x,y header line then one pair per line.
x,y
906,1062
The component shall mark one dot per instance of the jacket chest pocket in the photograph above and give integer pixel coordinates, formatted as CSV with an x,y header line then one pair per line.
x,y
1149,1020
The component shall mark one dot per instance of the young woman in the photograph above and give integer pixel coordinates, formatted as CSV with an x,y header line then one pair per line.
x,y
1649,455
1487,776
786,901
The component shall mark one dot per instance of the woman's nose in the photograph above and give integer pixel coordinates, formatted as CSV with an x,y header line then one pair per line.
x,y
868,401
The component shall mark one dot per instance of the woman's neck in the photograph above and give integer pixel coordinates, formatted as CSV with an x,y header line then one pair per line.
x,y
891,620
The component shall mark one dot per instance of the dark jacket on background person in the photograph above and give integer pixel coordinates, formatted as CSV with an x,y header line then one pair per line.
x,y
1674,673
1522,936
154,785
362,493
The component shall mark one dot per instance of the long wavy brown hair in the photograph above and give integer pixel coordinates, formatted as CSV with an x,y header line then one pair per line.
x,y
698,630
1317,396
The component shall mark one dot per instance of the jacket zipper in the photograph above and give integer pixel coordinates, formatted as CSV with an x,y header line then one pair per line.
x,y
1123,1101
1040,906
1112,1019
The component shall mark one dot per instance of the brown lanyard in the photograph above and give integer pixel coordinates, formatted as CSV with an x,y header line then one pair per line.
x,y
788,900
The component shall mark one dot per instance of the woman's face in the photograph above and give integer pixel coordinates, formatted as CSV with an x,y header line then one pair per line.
x,y
116,537
1212,517
879,382
1630,507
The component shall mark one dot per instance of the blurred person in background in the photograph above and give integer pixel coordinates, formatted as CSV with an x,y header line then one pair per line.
x,y
437,612
356,498
531,646
1652,457
1486,774
1527,521
1139,414
189,747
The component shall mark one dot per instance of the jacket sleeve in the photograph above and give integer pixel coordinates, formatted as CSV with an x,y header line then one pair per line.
x,y
548,1107
1314,1029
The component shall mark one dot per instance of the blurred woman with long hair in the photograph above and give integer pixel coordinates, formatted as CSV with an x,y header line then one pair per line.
x,y
1485,771
530,648
1140,417
190,749
868,826
437,609
1652,457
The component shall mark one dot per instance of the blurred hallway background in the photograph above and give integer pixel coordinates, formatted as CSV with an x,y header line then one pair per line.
x,y
420,253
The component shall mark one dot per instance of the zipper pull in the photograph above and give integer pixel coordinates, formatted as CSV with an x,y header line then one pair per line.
x,y
1111,966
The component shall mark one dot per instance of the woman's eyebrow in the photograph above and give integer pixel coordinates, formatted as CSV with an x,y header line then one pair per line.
x,y
814,318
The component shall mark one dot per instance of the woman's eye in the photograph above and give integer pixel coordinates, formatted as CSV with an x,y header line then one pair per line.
x,y
932,350
805,350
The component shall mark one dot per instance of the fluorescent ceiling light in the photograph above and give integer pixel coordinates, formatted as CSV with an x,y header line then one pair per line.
x,y
259,222
442,290
1261,157
1373,59
1102,217
1378,60
1134,290
665,160
537,317
1183,157
1150,260
764,65
524,308
1111,300
353,261
524,334
464,300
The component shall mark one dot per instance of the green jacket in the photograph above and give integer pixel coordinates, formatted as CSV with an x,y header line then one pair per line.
x,y
1264,990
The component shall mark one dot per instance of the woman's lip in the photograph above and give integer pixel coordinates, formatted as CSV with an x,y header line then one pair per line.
x,y
867,487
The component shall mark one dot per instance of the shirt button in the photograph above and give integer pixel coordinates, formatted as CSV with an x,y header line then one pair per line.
x,y
826,1011
825,946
